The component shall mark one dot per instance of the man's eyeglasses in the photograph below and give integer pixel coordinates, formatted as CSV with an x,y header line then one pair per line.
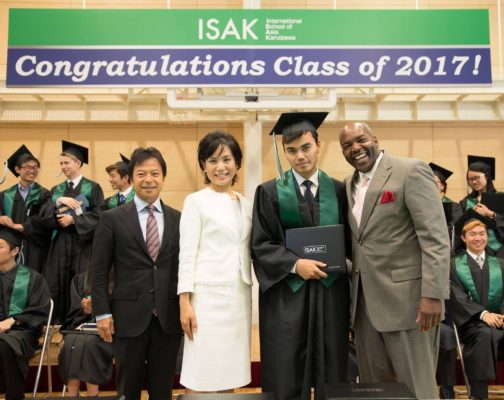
x,y
30,169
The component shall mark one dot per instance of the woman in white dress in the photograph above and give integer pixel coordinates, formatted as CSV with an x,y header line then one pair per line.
x,y
214,273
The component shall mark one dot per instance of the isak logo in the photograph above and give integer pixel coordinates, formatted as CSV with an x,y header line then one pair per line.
x,y
315,249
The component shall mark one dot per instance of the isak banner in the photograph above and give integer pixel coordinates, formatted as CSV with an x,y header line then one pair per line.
x,y
183,48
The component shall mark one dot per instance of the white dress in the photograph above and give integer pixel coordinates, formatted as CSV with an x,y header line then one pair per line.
x,y
215,267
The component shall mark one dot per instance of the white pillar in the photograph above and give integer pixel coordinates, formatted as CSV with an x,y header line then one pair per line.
x,y
252,174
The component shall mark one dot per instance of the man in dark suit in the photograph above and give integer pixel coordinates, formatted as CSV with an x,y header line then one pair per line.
x,y
141,318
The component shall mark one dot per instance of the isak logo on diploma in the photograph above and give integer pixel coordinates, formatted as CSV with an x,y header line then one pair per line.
x,y
315,249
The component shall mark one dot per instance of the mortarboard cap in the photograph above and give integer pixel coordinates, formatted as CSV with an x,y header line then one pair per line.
x,y
124,159
12,160
442,173
80,152
488,161
11,236
295,122
469,215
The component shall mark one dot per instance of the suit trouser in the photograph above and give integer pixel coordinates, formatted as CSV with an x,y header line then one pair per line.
x,y
152,349
11,378
405,356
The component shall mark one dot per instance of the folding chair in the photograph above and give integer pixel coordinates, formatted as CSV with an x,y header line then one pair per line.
x,y
466,380
45,350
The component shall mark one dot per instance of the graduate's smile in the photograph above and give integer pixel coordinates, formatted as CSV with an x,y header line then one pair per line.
x,y
476,239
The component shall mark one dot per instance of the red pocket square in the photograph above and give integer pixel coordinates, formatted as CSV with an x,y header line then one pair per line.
x,y
387,197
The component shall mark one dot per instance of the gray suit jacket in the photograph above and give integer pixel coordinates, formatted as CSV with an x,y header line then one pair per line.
x,y
401,250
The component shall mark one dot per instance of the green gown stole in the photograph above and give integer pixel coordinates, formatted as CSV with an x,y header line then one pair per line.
x,y
86,189
495,287
32,199
290,214
493,242
114,200
20,291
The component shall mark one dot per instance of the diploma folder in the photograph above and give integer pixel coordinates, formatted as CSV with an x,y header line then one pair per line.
x,y
320,243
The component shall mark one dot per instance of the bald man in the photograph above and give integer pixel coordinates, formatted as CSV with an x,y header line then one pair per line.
x,y
401,262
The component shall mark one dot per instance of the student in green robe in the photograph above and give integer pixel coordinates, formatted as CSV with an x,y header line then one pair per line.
x,y
24,309
451,208
480,177
447,358
120,181
476,303
303,311
21,208
84,355
77,204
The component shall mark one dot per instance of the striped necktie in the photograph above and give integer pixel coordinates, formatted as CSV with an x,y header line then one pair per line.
x,y
152,234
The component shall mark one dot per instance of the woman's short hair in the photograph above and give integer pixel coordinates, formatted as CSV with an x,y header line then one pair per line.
x,y
218,140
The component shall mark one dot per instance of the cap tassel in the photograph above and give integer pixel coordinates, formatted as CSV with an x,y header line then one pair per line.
x,y
4,175
452,240
21,257
277,158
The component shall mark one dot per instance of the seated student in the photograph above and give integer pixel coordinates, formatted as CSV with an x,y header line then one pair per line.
x,y
24,309
476,303
84,356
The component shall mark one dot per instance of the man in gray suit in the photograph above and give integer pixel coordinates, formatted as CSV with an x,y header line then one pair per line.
x,y
401,262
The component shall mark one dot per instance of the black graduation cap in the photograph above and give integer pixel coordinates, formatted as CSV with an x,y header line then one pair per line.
x,y
293,123
11,236
124,159
12,160
488,161
80,152
469,215
442,173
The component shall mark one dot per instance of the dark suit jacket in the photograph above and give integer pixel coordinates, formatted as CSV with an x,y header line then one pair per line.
x,y
140,284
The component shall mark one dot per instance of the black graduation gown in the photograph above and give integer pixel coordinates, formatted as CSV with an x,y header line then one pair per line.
x,y
304,335
36,245
497,226
452,211
84,356
70,250
481,342
23,337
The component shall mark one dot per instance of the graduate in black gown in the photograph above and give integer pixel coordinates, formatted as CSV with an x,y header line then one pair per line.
x,y
22,205
24,309
303,312
447,360
476,303
480,177
84,355
119,180
77,204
